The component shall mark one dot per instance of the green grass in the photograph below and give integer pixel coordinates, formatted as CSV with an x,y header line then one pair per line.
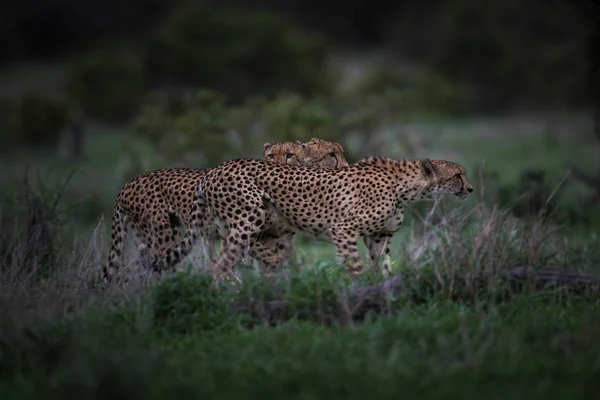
x,y
433,350
534,346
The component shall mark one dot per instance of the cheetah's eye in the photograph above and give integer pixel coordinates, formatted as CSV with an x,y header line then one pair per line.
x,y
332,154
270,156
289,155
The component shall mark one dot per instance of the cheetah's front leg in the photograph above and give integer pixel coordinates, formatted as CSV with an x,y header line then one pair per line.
x,y
345,239
378,246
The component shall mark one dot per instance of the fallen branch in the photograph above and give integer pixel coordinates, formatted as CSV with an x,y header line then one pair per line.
x,y
357,302
574,281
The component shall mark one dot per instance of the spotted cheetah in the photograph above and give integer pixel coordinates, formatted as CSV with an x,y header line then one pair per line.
x,y
157,203
316,152
364,199
268,249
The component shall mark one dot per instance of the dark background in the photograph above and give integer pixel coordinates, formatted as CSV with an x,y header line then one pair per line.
x,y
485,44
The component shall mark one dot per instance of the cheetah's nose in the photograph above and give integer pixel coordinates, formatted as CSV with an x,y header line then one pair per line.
x,y
469,189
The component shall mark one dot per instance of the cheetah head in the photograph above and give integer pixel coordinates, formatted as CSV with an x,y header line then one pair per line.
x,y
324,154
284,153
447,178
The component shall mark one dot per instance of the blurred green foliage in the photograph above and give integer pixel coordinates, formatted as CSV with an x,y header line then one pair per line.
x,y
291,117
199,124
33,121
235,52
539,194
512,53
187,303
240,54
198,127
107,84
427,92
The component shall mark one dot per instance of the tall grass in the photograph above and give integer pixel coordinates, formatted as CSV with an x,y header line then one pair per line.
x,y
449,242
443,332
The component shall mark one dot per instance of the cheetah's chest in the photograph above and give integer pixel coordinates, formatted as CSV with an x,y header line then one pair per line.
x,y
395,220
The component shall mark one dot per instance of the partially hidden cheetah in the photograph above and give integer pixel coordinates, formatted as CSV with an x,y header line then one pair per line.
x,y
156,204
316,152
367,199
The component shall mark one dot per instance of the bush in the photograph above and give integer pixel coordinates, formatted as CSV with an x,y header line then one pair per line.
x,y
107,84
197,125
239,53
289,117
314,294
428,92
186,303
200,128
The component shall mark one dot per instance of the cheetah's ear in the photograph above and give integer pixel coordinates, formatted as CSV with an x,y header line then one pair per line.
x,y
267,145
304,145
427,167
299,142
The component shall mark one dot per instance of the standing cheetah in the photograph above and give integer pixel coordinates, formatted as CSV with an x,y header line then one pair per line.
x,y
364,199
157,203
317,153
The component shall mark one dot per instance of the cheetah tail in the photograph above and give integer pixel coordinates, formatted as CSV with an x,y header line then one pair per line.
x,y
115,254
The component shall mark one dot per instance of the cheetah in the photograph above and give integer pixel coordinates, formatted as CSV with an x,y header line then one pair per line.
x,y
157,203
365,199
272,250
316,152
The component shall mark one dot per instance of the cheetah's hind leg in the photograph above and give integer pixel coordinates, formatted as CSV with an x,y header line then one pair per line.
x,y
195,229
242,236
117,244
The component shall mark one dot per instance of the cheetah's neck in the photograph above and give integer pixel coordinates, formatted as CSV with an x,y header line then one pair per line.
x,y
410,181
